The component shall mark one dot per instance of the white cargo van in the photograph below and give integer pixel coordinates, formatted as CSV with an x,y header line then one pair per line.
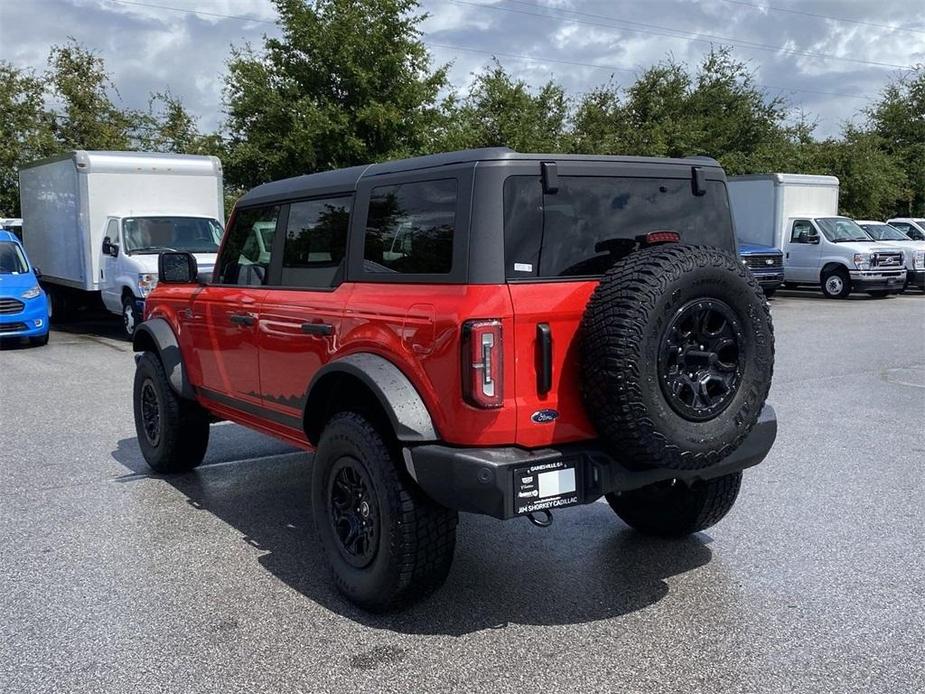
x,y
799,214
97,221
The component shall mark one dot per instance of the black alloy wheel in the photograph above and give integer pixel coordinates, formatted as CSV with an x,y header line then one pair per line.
x,y
150,412
700,361
354,513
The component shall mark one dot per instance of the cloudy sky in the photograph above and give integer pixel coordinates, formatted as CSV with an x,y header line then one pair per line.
x,y
828,57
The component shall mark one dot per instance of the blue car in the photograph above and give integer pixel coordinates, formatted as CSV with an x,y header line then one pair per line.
x,y
766,264
23,304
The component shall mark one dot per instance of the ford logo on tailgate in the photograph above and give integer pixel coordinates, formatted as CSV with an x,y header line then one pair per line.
x,y
545,416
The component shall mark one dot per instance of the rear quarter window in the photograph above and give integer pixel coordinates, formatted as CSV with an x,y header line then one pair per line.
x,y
410,228
582,229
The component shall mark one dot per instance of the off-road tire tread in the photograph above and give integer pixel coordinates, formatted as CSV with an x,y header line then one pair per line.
x,y
184,423
704,504
424,545
615,316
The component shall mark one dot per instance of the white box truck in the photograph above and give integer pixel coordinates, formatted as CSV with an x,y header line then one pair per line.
x,y
799,214
97,221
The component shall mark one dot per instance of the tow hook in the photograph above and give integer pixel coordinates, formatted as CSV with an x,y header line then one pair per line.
x,y
544,523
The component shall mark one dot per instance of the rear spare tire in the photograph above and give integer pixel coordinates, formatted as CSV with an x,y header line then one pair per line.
x,y
677,352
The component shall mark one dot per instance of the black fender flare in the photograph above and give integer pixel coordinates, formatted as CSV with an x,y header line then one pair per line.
x,y
396,394
156,335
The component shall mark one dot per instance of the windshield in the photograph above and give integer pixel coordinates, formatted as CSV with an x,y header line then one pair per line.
x,y
591,221
157,234
838,229
884,232
12,261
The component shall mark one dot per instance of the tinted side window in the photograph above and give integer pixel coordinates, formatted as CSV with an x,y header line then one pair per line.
x,y
316,242
410,228
245,257
583,228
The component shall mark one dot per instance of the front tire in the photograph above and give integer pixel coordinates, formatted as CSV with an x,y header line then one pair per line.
x,y
173,433
836,284
386,542
130,317
39,341
675,509
880,294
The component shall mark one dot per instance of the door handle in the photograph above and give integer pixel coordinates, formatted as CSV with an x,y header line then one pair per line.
x,y
317,328
242,319
544,358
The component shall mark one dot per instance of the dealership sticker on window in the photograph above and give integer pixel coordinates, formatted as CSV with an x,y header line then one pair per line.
x,y
523,267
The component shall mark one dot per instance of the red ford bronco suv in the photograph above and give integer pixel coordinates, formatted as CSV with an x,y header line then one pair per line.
x,y
482,331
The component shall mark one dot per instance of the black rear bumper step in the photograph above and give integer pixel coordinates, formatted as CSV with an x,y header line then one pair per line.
x,y
485,480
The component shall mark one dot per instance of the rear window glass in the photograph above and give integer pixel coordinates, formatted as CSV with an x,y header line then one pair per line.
x,y
410,228
583,228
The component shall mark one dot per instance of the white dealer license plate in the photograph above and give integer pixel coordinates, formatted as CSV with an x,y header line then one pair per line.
x,y
546,486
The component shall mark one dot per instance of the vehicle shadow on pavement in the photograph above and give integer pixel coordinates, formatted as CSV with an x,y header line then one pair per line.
x,y
93,324
586,567
817,295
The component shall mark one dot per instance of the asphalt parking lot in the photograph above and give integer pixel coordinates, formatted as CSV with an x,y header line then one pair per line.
x,y
116,580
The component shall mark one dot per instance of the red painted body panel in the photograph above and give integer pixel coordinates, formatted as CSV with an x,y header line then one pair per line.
x,y
226,352
289,357
423,340
560,305
418,327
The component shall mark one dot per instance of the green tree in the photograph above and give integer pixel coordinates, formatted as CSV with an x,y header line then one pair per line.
x,y
600,124
169,127
84,115
502,111
898,118
671,110
870,178
25,130
348,82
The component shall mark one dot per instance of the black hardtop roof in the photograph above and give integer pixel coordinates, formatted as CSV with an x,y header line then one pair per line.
x,y
345,180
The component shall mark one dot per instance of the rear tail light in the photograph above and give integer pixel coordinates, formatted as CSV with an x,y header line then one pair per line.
x,y
483,372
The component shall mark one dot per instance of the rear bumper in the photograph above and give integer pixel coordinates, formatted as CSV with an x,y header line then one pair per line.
x,y
889,280
484,480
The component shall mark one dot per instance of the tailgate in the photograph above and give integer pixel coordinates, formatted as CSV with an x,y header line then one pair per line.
x,y
553,309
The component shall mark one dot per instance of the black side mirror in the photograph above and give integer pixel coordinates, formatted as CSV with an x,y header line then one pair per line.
x,y
177,268
812,238
110,248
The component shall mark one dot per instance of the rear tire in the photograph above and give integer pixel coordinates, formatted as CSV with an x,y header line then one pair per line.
x,y
173,433
836,284
386,542
60,305
675,509
769,292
